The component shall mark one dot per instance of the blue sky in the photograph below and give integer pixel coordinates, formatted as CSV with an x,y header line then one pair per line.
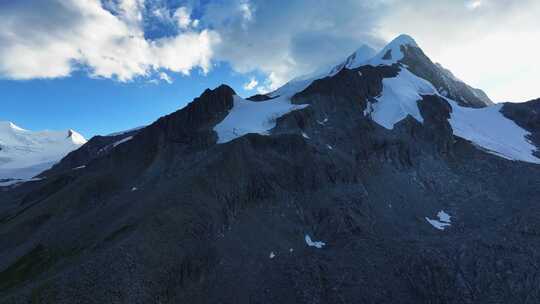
x,y
99,66
100,106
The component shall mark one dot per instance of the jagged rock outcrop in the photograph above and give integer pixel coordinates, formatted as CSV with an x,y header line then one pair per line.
x,y
527,116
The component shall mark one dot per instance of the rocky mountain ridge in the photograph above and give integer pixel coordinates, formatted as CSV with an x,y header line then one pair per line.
x,y
368,184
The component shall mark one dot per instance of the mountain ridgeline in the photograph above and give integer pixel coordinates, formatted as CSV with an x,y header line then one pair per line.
x,y
384,180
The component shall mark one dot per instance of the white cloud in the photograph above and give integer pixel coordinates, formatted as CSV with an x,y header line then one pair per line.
x,y
180,17
53,37
160,13
165,77
285,39
248,86
181,53
494,47
245,7
490,43
183,17
131,11
247,11
473,4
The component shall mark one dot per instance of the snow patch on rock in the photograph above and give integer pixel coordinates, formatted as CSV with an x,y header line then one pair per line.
x,y
442,223
323,122
399,99
253,117
488,128
123,140
316,244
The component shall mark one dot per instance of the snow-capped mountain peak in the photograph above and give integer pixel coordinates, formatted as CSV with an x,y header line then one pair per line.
x,y
25,154
392,53
365,52
361,55
364,55
76,137
402,40
8,125
418,76
395,46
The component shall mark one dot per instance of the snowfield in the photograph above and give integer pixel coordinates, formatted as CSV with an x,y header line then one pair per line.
x,y
399,99
491,130
485,127
253,117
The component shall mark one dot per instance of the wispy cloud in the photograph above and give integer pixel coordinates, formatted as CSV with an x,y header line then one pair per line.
x,y
491,45
165,77
284,39
248,86
473,4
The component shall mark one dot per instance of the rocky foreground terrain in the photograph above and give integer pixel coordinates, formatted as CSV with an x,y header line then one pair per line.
x,y
386,180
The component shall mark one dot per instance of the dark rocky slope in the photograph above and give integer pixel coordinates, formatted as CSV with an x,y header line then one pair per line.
x,y
172,217
527,116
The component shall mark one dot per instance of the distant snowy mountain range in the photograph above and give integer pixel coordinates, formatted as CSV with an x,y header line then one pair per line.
x,y
24,154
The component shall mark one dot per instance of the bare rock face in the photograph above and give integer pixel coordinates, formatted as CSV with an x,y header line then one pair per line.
x,y
327,207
